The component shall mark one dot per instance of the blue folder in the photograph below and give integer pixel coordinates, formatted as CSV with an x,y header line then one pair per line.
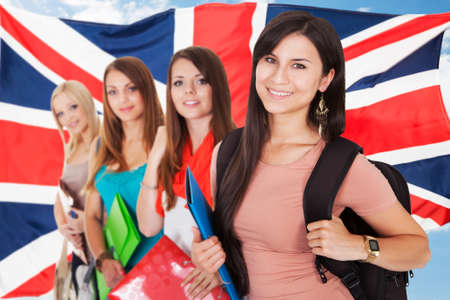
x,y
202,214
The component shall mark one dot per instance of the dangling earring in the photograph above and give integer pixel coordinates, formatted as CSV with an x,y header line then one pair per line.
x,y
322,114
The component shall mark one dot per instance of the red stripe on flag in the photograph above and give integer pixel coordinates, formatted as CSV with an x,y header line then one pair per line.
x,y
49,57
214,24
395,34
411,119
427,209
30,154
36,286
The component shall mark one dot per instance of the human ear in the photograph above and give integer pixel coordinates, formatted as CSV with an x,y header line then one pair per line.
x,y
326,80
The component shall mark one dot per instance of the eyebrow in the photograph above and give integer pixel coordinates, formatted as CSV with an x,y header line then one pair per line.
x,y
294,59
113,86
196,75
300,59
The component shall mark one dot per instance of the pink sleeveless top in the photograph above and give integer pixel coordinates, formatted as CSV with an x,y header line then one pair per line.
x,y
271,226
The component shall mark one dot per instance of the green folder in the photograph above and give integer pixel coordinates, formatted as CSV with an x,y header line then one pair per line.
x,y
121,236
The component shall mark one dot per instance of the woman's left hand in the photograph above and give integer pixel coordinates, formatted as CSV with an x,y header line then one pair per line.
x,y
201,283
331,238
76,222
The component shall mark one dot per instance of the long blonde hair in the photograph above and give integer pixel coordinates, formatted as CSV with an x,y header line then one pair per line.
x,y
111,133
80,94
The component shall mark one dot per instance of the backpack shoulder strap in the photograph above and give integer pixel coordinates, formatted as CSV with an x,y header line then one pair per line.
x,y
225,153
397,183
318,200
326,178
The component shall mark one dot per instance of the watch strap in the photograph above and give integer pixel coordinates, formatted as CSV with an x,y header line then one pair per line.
x,y
99,261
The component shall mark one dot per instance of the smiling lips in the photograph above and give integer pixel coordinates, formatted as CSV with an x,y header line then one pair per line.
x,y
191,102
279,94
73,124
126,109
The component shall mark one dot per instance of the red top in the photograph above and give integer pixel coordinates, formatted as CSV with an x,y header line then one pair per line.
x,y
199,163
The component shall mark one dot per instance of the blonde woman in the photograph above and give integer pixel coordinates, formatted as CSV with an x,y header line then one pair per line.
x,y
73,109
132,114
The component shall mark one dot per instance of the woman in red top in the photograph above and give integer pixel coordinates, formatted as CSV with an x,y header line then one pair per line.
x,y
198,116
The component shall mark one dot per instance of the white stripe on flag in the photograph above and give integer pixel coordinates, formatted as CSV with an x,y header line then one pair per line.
x,y
387,56
36,64
429,195
55,78
427,224
27,193
29,261
412,154
29,58
258,23
377,29
391,88
184,28
27,116
65,40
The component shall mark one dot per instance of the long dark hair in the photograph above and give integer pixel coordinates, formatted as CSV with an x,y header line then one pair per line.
x,y
210,66
257,131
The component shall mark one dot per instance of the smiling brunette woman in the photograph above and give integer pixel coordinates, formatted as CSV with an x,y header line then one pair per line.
x,y
298,76
198,117
132,113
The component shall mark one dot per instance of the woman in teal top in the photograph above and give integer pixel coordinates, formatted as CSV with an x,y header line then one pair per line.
x,y
127,184
132,114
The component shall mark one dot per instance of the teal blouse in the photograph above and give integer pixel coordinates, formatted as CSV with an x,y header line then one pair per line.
x,y
127,184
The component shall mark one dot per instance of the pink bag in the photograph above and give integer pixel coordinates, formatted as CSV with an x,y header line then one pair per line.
x,y
159,275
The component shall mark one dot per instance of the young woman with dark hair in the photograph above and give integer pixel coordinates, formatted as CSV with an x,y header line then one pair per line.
x,y
132,114
297,105
198,116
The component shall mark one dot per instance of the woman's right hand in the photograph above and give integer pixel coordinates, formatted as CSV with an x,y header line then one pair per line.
x,y
208,255
72,235
112,271
159,145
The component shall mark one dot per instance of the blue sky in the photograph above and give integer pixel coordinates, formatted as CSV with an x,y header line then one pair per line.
x,y
430,283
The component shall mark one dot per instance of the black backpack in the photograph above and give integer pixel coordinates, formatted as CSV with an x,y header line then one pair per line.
x,y
365,281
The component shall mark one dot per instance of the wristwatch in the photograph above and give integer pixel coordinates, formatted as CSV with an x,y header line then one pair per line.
x,y
98,262
372,248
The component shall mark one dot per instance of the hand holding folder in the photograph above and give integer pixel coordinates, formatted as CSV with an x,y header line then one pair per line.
x,y
202,214
159,275
121,236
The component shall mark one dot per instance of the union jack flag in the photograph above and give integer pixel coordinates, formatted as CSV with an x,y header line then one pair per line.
x,y
394,104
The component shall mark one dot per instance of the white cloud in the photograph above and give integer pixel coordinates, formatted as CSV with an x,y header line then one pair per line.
x,y
444,68
62,13
134,12
100,11
260,1
444,228
364,9
76,2
446,42
13,3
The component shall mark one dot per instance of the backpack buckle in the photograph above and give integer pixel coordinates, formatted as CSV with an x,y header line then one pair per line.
x,y
350,280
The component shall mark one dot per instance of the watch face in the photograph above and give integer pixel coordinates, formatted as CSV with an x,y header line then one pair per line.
x,y
374,245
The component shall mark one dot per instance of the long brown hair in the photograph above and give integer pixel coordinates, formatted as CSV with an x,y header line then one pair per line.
x,y
111,133
256,132
210,66
79,93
